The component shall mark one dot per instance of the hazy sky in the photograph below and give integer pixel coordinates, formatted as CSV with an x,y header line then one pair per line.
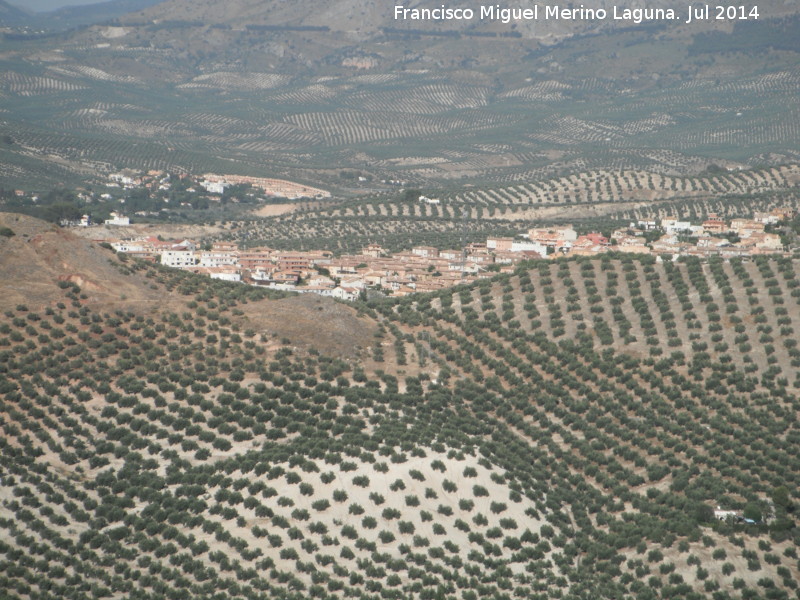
x,y
40,5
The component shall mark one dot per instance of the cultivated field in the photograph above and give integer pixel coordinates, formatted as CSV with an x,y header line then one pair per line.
x,y
435,126
562,431
596,198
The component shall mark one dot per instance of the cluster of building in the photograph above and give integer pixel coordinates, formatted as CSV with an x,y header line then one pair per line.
x,y
345,277
426,268
213,184
670,235
115,218
739,237
127,179
216,184
714,236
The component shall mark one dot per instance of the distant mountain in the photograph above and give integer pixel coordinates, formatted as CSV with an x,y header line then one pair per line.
x,y
89,14
38,6
362,18
11,16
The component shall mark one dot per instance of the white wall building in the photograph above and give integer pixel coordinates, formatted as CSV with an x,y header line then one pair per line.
x,y
672,226
179,259
215,187
226,276
519,246
128,246
217,258
118,220
346,293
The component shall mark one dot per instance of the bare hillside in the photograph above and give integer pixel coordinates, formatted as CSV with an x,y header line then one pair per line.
x,y
40,259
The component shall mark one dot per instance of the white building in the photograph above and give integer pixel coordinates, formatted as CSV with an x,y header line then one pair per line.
x,y
179,259
724,515
425,251
352,282
645,225
118,219
315,289
128,246
217,258
215,187
121,178
346,293
226,276
672,225
519,246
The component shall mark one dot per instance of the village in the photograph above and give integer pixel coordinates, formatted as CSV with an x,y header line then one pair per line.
x,y
213,184
426,268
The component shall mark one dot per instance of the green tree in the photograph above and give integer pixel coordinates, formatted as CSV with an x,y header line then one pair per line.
x,y
752,511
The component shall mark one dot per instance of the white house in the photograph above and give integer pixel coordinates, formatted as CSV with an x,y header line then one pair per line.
x,y
217,258
118,219
226,276
179,259
215,187
345,293
121,178
671,225
128,246
315,289
519,246
352,282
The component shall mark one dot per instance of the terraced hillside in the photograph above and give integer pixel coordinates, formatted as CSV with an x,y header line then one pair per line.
x,y
562,432
398,221
303,104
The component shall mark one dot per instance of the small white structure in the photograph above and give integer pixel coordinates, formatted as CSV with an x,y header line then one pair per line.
x,y
645,225
226,276
117,219
121,178
315,289
128,246
215,187
724,515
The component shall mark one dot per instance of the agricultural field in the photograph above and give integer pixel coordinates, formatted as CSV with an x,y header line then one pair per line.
x,y
598,199
564,431
100,96
727,207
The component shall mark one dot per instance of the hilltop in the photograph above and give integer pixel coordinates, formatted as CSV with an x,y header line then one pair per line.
x,y
40,262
